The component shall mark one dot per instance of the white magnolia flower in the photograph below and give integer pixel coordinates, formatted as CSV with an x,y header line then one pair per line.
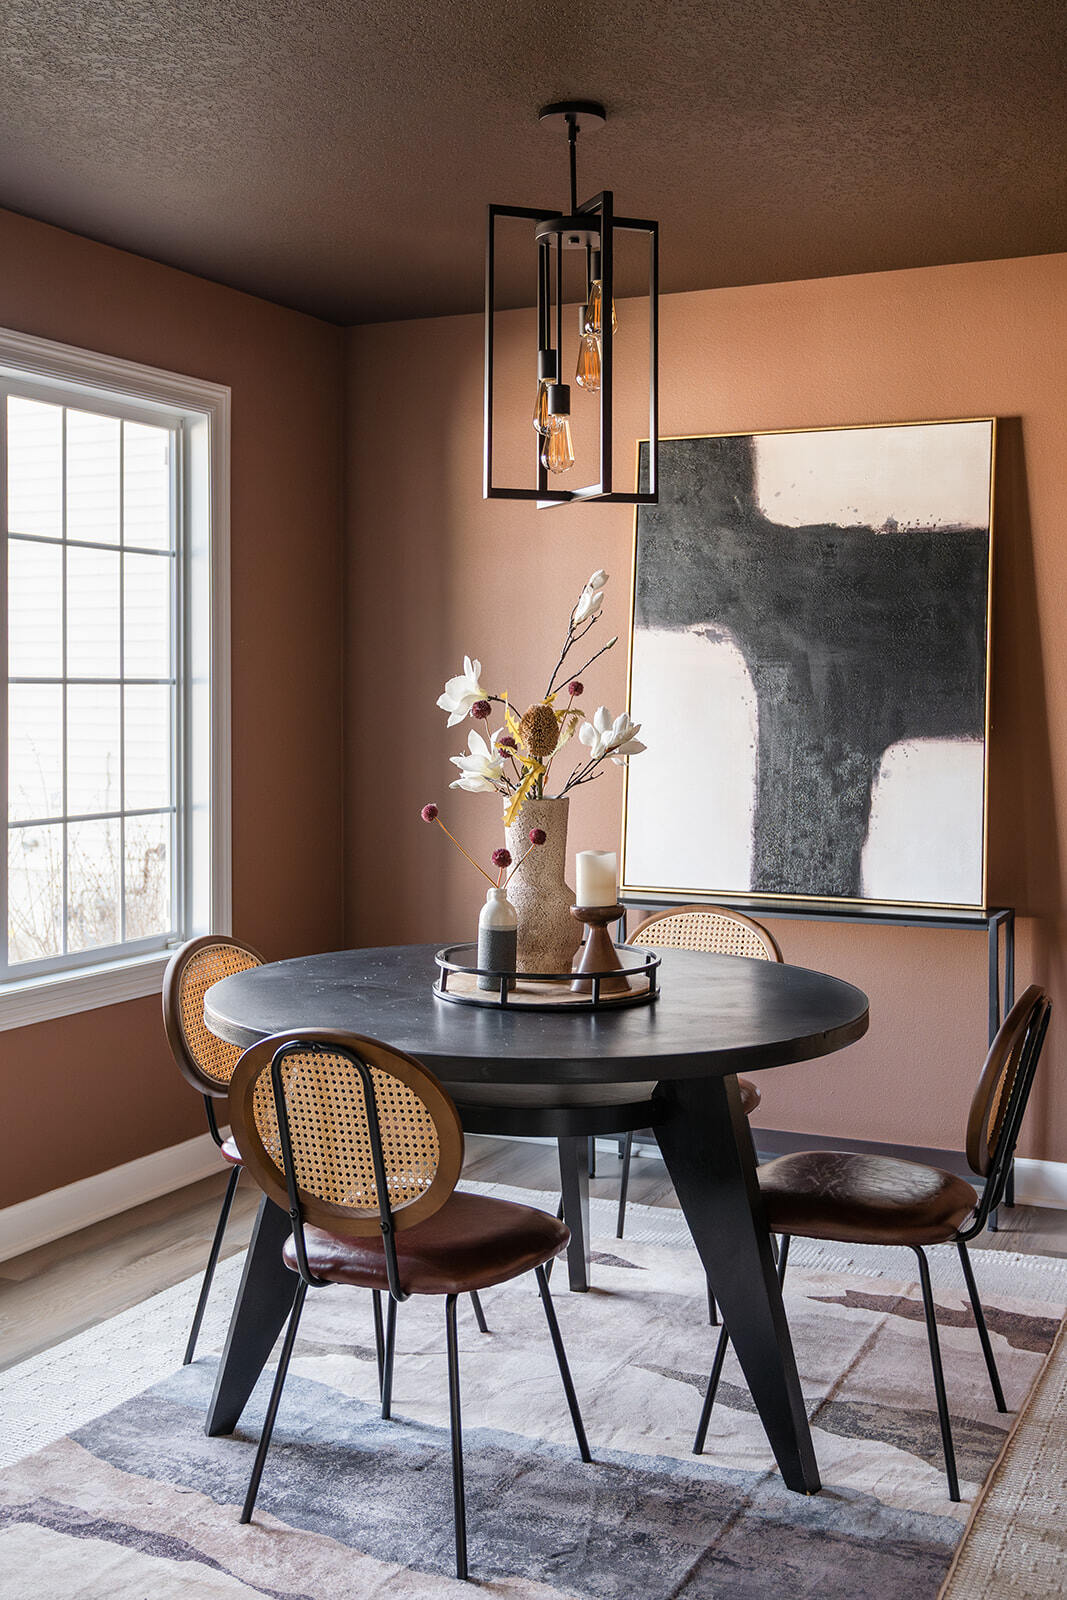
x,y
606,735
591,598
481,771
624,739
461,692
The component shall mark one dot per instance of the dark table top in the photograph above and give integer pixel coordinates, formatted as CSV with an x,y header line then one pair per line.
x,y
715,1015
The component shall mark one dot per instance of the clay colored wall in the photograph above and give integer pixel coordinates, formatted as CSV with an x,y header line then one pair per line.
x,y
434,571
83,1093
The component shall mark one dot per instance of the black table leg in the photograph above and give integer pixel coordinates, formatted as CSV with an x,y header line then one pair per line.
x,y
263,1303
707,1145
574,1182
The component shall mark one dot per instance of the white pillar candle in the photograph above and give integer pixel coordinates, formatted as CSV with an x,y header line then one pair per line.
x,y
595,871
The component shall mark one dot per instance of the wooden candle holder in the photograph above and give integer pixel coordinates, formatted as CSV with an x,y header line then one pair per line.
x,y
598,951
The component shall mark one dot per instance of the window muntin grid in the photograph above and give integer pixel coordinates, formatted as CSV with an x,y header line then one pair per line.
x,y
92,847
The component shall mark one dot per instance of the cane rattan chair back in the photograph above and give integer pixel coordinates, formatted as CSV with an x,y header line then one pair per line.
x,y
333,1131
204,1060
1004,1087
711,928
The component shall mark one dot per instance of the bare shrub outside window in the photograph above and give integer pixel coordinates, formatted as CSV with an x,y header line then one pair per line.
x,y
92,611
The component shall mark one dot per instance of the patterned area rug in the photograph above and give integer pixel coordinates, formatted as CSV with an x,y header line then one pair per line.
x,y
114,1490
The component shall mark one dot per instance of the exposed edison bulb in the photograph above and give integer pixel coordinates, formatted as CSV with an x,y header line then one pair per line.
x,y
557,452
594,311
541,419
587,372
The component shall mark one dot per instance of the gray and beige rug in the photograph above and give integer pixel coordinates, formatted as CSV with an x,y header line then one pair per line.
x,y
112,1489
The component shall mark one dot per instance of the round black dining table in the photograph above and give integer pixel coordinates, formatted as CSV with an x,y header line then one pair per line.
x,y
715,1016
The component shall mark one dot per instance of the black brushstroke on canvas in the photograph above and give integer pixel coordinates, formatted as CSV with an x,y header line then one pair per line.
x,y
855,638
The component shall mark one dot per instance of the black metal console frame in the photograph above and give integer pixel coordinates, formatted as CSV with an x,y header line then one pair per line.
x,y
996,920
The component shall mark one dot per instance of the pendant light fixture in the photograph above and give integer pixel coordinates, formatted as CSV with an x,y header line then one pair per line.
x,y
584,236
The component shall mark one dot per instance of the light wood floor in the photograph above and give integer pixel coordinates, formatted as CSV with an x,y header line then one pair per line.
x,y
50,1294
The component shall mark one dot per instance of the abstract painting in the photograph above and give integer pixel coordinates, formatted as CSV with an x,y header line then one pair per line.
x,y
809,661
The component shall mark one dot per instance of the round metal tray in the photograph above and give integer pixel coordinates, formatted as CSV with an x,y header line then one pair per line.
x,y
457,983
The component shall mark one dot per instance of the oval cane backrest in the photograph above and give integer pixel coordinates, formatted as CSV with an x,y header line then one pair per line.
x,y
711,928
1004,1086
330,1130
205,1060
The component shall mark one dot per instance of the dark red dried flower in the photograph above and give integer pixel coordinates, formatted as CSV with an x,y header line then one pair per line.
x,y
429,813
538,835
506,742
574,689
481,711
501,858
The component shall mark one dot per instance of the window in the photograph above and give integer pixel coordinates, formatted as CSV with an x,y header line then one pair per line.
x,y
116,839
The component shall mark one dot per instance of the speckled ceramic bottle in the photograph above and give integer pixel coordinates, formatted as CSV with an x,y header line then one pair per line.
x,y
548,935
497,934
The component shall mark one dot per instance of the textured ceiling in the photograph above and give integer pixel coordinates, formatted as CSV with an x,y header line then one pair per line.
x,y
339,158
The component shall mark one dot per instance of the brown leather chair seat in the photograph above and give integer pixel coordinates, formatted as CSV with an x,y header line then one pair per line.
x,y
750,1096
863,1199
471,1243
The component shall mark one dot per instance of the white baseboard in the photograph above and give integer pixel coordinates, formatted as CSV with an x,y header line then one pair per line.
x,y
77,1205
1037,1183
1041,1183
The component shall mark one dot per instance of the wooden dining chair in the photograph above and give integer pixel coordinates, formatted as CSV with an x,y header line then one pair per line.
x,y
719,932
205,1061
870,1199
363,1147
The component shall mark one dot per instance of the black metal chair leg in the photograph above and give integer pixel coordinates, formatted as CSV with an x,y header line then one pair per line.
x,y
983,1332
275,1397
561,1361
212,1262
720,1352
458,1500
479,1314
624,1184
709,1397
387,1369
713,1309
939,1376
592,1156
379,1338
559,1218
1009,1188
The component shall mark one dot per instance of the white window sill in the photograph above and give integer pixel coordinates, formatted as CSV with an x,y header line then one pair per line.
x,y
60,994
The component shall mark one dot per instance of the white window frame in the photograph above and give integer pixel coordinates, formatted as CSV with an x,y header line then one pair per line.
x,y
202,410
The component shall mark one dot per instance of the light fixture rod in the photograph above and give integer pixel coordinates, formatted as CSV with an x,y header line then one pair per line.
x,y
559,307
572,141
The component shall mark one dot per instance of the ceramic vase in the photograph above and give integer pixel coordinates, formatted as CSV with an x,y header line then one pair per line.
x,y
548,935
497,928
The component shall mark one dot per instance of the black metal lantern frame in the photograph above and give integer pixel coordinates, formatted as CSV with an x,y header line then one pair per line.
x,y
591,227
